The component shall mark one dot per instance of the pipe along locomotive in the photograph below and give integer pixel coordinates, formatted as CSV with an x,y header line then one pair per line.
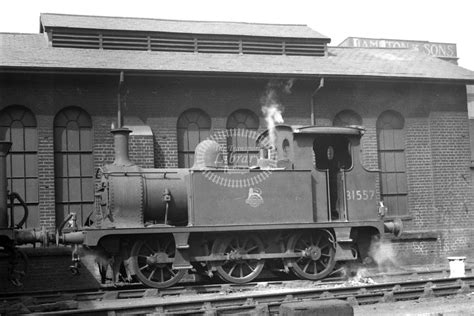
x,y
307,204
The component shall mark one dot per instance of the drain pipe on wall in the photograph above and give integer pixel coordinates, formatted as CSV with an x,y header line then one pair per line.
x,y
321,84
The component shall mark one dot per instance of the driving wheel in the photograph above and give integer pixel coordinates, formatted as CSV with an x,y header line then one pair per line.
x,y
317,254
152,261
236,268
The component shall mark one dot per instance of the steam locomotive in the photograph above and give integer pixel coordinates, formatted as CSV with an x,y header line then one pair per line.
x,y
306,204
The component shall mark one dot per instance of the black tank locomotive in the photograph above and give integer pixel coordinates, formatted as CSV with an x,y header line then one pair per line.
x,y
306,204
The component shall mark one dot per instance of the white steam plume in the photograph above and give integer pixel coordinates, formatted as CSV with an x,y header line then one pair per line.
x,y
384,255
271,107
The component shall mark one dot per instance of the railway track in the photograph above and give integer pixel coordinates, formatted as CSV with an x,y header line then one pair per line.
x,y
209,299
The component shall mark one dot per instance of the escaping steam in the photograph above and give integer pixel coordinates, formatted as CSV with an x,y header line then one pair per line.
x,y
383,254
380,256
271,105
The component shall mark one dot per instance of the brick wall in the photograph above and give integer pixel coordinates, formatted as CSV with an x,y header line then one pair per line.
x,y
452,183
46,172
437,139
437,159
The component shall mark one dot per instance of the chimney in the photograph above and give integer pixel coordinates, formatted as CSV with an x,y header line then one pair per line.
x,y
121,146
4,149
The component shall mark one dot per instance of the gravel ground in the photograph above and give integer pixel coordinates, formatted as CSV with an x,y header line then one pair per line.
x,y
452,305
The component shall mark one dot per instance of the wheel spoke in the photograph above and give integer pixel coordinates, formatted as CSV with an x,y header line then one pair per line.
x,y
158,245
251,249
305,243
324,247
232,269
306,266
171,271
152,251
167,247
250,267
152,274
317,240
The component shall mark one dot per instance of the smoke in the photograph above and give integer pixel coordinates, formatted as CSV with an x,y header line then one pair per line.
x,y
271,105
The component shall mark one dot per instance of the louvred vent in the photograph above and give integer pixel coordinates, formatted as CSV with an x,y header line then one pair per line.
x,y
187,43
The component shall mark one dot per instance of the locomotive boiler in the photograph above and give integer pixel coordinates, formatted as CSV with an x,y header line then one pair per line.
x,y
306,203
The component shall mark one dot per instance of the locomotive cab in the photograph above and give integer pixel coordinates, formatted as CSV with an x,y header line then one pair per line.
x,y
343,190
333,157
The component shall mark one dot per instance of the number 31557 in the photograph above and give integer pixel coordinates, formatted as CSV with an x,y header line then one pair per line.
x,y
360,195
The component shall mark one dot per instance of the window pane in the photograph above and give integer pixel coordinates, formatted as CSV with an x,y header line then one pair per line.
x,y
402,183
87,165
74,165
18,165
88,189
18,186
61,188
193,139
387,160
74,190
73,159
17,138
31,191
31,139
193,126
73,143
399,138
86,139
60,139
31,165
387,139
400,161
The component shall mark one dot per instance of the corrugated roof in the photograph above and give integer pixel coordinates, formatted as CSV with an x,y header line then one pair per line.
x,y
49,20
29,51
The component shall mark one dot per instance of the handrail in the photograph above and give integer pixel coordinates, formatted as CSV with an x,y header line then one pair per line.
x,y
13,196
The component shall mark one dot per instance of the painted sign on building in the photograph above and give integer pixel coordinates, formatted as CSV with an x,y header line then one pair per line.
x,y
446,51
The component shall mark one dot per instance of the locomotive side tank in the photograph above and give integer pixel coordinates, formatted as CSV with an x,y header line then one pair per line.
x,y
306,205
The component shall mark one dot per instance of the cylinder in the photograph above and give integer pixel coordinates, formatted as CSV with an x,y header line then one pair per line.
x,y
4,149
121,146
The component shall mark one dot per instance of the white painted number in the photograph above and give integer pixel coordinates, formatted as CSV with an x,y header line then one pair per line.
x,y
360,195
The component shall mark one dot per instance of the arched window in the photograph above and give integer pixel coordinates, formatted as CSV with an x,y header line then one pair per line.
x,y
347,118
241,147
74,182
391,147
18,125
194,126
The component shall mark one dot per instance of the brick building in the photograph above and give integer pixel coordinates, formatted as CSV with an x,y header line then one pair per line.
x,y
186,80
